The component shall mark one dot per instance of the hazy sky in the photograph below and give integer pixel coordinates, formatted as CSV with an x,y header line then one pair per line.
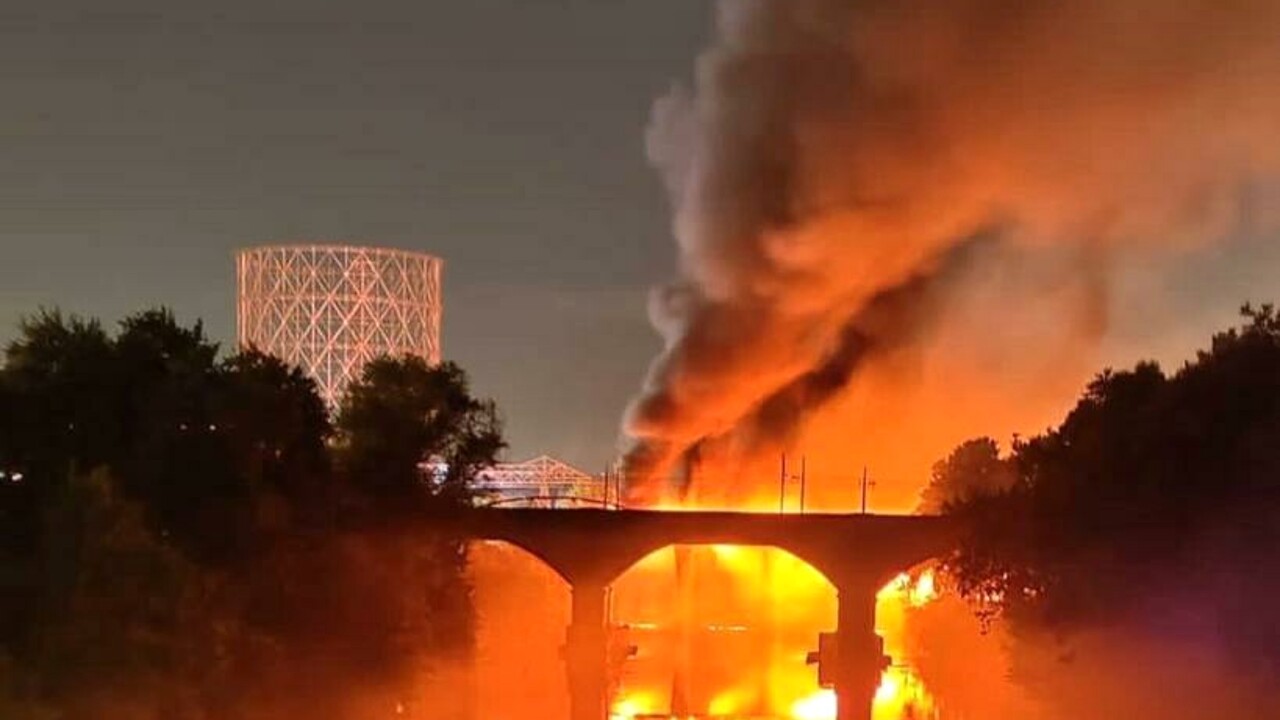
x,y
141,142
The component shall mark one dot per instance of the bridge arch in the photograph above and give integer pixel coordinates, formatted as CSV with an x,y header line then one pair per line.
x,y
859,554
550,556
720,630
522,607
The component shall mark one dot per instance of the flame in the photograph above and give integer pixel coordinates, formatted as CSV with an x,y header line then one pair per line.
x,y
724,631
925,590
728,702
633,704
741,620
890,690
625,708
915,591
818,706
902,695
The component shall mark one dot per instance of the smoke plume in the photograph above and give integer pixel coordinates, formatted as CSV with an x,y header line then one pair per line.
x,y
907,216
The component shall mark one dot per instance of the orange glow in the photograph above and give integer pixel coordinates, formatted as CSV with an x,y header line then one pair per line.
x,y
818,706
731,626
914,590
729,702
522,608
634,704
902,695
925,590
890,689
724,631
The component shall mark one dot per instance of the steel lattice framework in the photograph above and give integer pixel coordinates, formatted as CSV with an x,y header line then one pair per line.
x,y
332,308
543,482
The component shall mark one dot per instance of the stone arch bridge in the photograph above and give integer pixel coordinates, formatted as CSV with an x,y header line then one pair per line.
x,y
858,554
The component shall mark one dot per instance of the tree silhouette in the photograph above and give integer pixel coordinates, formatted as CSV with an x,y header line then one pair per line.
x,y
974,468
1156,491
196,526
57,386
411,437
412,434
276,428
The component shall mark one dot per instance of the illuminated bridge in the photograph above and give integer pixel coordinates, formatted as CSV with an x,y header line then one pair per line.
x,y
858,554
543,482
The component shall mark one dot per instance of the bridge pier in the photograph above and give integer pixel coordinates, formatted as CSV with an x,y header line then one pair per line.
x,y
585,653
589,548
859,652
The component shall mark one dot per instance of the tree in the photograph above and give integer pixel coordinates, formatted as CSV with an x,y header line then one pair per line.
x,y
973,469
1155,493
211,449
412,435
411,438
56,419
173,546
213,453
173,456
276,428
59,411
125,624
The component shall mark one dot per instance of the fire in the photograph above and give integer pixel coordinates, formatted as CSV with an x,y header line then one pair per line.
x,y
890,690
902,695
818,706
723,631
916,591
729,702
635,704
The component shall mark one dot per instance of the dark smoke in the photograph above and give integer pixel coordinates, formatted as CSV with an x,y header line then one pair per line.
x,y
832,153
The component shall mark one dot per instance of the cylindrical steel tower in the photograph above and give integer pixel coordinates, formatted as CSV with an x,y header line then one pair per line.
x,y
332,308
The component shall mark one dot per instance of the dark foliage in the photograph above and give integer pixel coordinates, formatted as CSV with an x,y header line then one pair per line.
x,y
972,470
410,438
186,536
1157,500
412,434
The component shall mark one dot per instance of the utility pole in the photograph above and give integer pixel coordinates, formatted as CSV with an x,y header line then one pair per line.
x,y
784,478
782,486
865,485
803,463
617,487
613,481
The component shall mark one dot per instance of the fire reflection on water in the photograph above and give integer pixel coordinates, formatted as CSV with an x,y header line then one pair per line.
x,y
719,630
724,631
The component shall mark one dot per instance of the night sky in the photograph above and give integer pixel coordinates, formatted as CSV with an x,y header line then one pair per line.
x,y
141,143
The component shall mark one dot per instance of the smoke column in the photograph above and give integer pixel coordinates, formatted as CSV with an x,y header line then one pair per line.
x,y
904,216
